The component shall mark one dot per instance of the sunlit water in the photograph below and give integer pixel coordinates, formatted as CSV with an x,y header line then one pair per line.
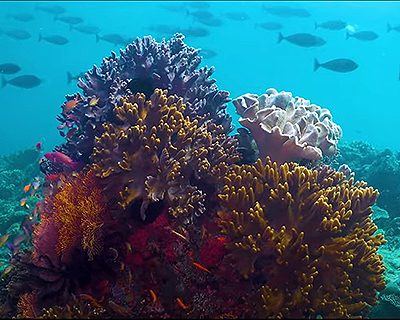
x,y
363,102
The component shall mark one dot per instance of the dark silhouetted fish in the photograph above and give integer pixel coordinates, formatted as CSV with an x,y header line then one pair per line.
x,y
59,40
162,29
271,26
211,22
51,9
362,35
338,65
71,77
285,12
236,15
26,81
87,29
201,14
332,25
9,68
18,34
113,38
395,28
303,40
172,7
69,20
198,4
24,17
195,32
207,54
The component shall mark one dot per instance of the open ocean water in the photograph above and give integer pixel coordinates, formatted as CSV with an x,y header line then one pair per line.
x,y
247,58
341,55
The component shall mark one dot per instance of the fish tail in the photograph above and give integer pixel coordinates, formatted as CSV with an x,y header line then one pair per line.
x,y
3,81
316,64
280,37
97,38
347,34
70,77
40,37
389,27
315,25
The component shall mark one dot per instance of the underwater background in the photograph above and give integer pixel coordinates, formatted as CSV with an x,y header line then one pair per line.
x,y
254,46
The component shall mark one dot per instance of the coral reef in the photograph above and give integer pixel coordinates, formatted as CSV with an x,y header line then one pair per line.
x,y
157,154
287,128
307,236
380,168
143,66
151,210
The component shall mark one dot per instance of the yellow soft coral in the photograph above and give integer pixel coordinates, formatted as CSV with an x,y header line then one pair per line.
x,y
78,208
156,154
307,234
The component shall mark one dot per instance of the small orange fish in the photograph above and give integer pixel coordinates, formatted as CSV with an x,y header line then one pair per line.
x,y
118,309
3,239
181,304
153,295
27,187
68,106
93,101
201,267
90,299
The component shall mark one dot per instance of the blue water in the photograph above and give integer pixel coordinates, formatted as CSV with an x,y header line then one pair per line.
x,y
363,102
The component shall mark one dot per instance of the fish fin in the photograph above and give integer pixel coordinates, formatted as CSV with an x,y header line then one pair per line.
x,y
70,77
97,38
347,34
40,37
316,64
280,37
389,27
3,81
315,25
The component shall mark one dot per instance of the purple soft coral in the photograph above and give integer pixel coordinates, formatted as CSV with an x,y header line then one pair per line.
x,y
143,66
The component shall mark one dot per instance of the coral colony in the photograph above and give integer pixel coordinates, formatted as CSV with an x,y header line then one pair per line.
x,y
152,210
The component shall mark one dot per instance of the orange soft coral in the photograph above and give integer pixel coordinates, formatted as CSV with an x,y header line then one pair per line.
x,y
306,236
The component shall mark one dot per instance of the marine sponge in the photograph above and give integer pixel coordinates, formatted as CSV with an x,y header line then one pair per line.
x,y
286,128
306,236
143,66
155,154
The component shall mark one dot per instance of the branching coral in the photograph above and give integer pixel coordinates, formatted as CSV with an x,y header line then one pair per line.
x,y
286,128
306,235
156,154
143,66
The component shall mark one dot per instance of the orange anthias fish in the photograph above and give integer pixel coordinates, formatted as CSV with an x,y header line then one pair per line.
x,y
27,187
38,146
181,304
68,106
197,265
153,295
